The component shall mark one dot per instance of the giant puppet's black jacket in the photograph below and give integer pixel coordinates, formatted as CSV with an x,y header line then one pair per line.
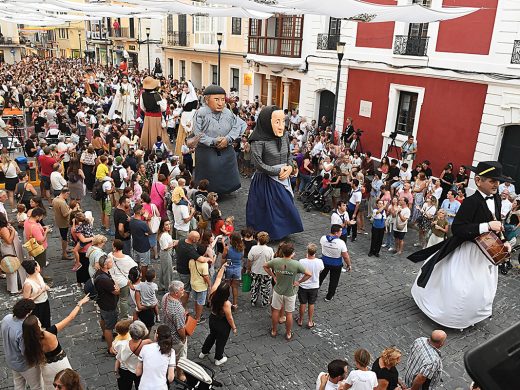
x,y
465,227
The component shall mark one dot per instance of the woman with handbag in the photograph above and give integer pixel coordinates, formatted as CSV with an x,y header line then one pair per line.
x,y
221,320
34,288
10,245
119,272
152,216
391,210
24,190
33,229
10,170
128,356
418,190
157,193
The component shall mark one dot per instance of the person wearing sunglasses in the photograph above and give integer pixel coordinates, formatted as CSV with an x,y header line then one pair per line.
x,y
67,379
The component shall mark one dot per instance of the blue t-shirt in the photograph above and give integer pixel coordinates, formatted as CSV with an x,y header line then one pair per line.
x,y
138,230
12,339
450,208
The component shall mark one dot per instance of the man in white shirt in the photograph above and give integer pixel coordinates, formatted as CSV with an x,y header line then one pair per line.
x,y
120,176
340,217
3,198
334,254
4,134
506,204
57,179
125,142
507,186
404,176
337,371
182,216
308,290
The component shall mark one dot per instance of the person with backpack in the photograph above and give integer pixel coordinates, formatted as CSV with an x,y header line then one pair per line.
x,y
160,148
101,193
119,176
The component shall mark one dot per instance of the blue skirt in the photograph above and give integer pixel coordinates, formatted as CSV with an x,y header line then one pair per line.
x,y
270,208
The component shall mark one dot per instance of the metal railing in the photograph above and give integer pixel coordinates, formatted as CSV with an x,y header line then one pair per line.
x,y
410,45
328,41
271,46
122,32
515,55
177,38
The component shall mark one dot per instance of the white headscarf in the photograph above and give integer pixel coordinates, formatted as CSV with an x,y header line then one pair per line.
x,y
191,96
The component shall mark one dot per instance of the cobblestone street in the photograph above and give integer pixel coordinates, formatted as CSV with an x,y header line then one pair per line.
x,y
372,309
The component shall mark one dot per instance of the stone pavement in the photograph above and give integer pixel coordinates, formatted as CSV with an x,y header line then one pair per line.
x,y
372,309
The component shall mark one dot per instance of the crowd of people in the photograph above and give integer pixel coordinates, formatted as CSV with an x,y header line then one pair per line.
x,y
162,231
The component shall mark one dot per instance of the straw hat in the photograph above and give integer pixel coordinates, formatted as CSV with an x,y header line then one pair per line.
x,y
150,83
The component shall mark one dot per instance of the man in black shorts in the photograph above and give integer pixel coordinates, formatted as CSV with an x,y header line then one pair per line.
x,y
308,290
108,292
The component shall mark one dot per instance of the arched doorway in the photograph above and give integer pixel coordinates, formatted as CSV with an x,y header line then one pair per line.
x,y
510,151
326,105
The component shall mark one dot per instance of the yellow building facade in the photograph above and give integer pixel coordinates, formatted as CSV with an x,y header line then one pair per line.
x,y
70,40
191,50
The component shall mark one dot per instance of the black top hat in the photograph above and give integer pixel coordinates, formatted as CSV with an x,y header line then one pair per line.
x,y
490,169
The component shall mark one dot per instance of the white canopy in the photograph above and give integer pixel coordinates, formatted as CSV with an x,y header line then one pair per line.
x,y
355,10
61,11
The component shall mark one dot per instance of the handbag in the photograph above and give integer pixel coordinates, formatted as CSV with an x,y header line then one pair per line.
x,y
33,247
191,324
155,220
10,264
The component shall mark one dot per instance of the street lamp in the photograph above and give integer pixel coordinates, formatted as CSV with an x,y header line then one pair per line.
x,y
148,44
219,41
79,34
340,48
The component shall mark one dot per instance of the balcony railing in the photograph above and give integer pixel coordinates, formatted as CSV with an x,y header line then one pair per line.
x,y
410,46
270,46
328,41
122,32
515,55
103,35
177,38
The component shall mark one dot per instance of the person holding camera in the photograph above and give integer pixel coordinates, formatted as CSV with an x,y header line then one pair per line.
x,y
409,150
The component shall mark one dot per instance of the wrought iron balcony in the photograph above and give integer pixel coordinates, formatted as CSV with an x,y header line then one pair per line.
x,y
410,45
328,41
177,38
515,55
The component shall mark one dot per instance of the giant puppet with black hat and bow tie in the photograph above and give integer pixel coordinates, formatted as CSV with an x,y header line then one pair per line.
x,y
215,127
457,284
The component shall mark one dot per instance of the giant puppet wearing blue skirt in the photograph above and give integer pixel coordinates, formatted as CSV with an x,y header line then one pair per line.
x,y
270,204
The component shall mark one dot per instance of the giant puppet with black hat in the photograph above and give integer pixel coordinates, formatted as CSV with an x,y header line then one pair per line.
x,y
153,105
457,283
216,127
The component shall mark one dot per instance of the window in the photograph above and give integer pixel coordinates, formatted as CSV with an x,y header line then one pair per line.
x,y
235,79
182,66
214,74
170,66
236,26
255,27
406,112
205,29
334,26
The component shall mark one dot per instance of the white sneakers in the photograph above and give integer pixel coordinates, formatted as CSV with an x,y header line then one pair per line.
x,y
217,362
221,361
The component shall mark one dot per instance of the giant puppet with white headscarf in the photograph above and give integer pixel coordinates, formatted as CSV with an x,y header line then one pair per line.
x,y
189,103
124,101
216,127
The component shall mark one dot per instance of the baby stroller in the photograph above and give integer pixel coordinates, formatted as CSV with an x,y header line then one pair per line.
x,y
312,189
319,201
197,377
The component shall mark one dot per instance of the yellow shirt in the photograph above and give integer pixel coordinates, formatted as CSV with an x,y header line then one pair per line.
x,y
197,271
102,171
178,194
